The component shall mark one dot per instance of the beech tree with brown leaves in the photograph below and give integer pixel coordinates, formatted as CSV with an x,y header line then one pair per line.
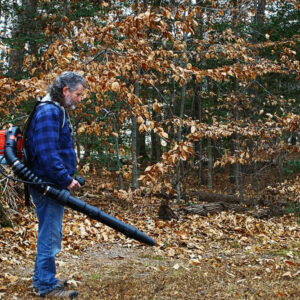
x,y
193,88
188,130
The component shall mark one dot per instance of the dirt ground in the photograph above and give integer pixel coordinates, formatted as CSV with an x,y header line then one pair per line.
x,y
221,256
114,271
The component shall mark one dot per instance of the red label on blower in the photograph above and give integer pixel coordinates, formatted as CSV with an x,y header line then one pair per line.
x,y
19,143
2,141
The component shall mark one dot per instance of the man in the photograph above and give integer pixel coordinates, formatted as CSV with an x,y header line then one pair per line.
x,y
52,157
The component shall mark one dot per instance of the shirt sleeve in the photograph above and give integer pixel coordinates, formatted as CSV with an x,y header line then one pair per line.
x,y
46,137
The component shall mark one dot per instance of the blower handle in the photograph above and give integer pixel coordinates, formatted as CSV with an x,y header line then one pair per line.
x,y
80,180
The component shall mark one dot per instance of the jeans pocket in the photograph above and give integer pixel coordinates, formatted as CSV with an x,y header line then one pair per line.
x,y
37,197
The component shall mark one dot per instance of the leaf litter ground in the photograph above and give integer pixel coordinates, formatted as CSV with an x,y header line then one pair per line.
x,y
223,256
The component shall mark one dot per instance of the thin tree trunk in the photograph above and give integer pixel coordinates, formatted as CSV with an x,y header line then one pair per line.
x,y
141,147
237,176
134,154
25,27
200,165
179,133
197,114
135,183
198,110
119,166
210,163
145,2
155,142
4,30
179,139
65,6
260,11
259,7
237,166
281,159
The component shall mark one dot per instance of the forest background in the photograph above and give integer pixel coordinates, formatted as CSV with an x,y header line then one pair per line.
x,y
188,102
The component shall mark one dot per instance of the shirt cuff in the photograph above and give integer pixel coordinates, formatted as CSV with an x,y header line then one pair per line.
x,y
67,182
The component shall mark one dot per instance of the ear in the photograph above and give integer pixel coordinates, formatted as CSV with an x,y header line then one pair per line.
x,y
65,91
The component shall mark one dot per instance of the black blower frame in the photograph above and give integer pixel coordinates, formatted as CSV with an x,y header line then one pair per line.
x,y
63,196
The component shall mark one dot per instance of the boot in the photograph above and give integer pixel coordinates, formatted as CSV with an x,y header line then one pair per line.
x,y
59,292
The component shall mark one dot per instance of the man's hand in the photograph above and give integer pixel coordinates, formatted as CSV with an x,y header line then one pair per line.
x,y
74,185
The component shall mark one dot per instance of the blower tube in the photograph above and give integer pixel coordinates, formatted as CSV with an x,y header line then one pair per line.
x,y
63,196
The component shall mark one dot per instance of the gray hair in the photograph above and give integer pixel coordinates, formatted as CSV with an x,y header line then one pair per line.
x,y
65,79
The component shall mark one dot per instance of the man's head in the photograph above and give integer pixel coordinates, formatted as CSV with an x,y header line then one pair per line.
x,y
67,89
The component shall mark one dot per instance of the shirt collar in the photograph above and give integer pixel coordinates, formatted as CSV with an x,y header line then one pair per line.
x,y
48,98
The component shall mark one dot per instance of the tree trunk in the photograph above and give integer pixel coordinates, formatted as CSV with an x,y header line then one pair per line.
x,y
205,209
145,2
141,147
179,133
119,165
236,145
22,33
216,197
210,164
198,145
155,142
135,183
260,11
179,138
198,110
259,7
65,7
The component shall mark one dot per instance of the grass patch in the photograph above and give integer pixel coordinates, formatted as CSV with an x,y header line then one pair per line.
x,y
284,253
95,276
235,244
154,257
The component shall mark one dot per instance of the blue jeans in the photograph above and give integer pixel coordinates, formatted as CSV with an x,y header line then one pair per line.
x,y
50,215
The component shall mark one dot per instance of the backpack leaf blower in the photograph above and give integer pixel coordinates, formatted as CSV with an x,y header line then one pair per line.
x,y
11,142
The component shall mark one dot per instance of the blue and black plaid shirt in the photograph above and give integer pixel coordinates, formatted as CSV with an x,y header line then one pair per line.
x,y
51,149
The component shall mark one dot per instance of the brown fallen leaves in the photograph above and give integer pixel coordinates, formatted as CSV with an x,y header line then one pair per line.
x,y
186,238
237,241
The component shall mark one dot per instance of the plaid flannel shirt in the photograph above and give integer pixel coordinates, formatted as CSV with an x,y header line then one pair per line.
x,y
50,142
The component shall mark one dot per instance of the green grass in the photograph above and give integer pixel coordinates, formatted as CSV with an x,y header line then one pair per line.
x,y
235,245
95,276
284,253
154,257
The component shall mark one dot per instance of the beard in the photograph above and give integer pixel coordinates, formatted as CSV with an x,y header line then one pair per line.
x,y
69,103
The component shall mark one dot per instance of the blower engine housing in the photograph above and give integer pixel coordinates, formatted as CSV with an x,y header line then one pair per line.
x,y
19,150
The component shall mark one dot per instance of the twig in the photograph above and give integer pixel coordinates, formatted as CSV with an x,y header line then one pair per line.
x,y
97,55
105,51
